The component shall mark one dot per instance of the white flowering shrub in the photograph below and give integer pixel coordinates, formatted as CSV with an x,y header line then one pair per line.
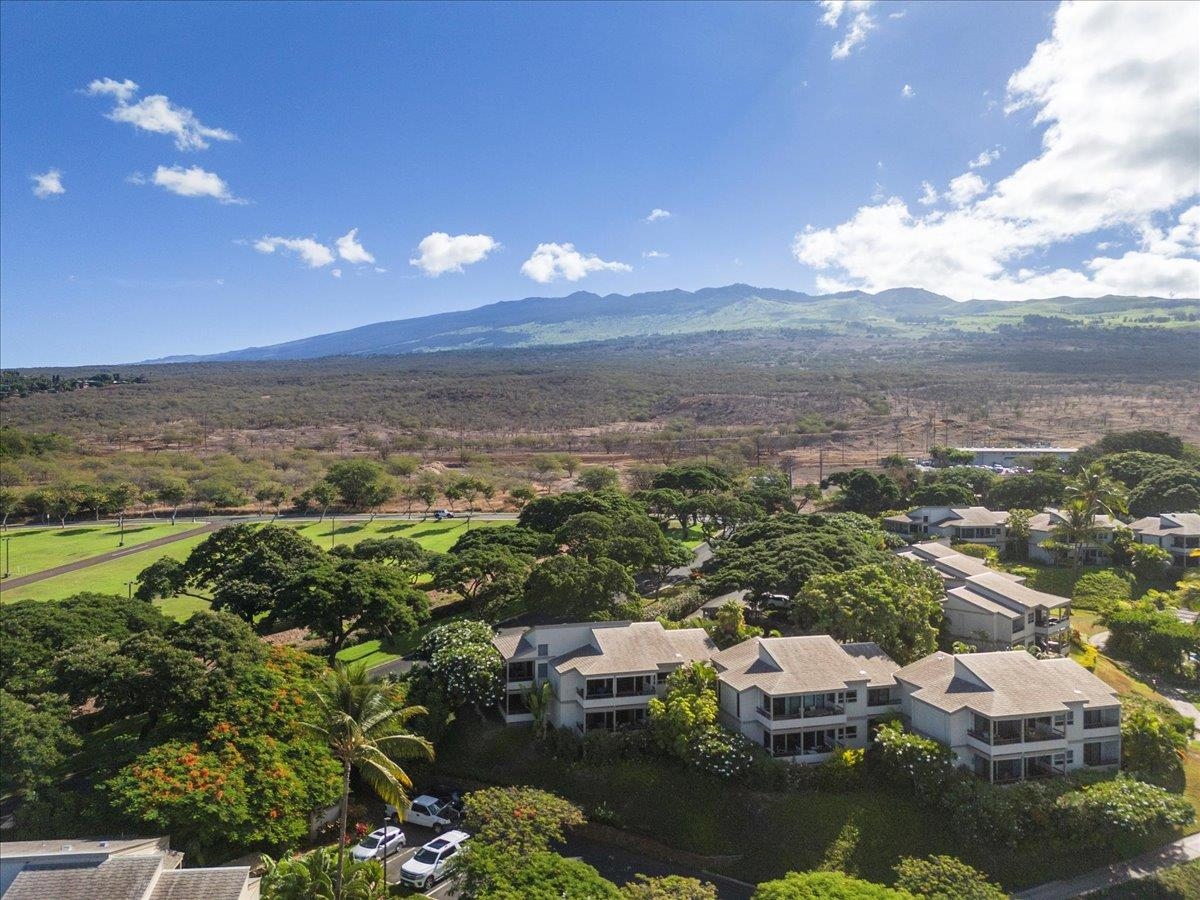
x,y
721,753
1123,806
464,663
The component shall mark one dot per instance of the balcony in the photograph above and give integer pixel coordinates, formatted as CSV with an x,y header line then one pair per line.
x,y
1101,718
1037,733
802,714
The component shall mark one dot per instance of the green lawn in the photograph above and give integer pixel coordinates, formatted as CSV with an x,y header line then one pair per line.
x,y
767,835
111,578
32,550
438,536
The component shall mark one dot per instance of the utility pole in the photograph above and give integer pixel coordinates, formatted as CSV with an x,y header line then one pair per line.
x,y
821,466
7,556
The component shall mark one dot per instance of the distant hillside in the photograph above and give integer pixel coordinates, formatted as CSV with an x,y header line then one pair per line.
x,y
582,316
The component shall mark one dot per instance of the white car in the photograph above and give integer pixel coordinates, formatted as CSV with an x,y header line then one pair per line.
x,y
431,863
430,812
379,843
776,601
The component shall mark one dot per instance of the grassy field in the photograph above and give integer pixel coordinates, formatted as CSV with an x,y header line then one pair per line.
x,y
766,835
54,547
34,549
111,578
437,536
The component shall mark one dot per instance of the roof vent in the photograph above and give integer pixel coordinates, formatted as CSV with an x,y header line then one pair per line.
x,y
1077,691
67,847
104,843
862,671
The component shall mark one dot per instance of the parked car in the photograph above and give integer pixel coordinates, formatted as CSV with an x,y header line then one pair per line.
x,y
431,863
776,601
443,514
430,812
379,843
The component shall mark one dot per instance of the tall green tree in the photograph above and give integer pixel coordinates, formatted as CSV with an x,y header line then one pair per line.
x,y
365,724
361,483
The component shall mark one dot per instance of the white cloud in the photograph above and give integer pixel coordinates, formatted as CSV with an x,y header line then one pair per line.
x,y
314,253
929,195
336,273
190,182
859,21
1128,162
656,214
122,90
156,114
552,261
441,252
985,158
654,254
380,270
48,184
907,91
965,188
351,250
898,15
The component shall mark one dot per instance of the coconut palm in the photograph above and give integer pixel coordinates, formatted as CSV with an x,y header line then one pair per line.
x,y
1098,492
312,877
363,721
1077,528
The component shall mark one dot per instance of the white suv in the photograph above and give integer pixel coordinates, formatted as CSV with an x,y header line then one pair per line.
x,y
431,863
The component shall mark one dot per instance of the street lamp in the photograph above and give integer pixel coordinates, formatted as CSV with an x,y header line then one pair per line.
x,y
129,587
121,526
7,556
387,821
332,530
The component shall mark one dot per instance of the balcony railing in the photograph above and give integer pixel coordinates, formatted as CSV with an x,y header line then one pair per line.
x,y
1111,721
811,712
646,691
1042,733
994,739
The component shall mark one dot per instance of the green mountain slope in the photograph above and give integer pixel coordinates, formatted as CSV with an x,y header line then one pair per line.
x,y
582,316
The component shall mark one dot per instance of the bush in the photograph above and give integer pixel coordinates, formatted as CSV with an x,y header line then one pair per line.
x,y
1124,806
1089,656
945,878
825,886
912,760
981,551
1098,590
521,820
722,753
1151,748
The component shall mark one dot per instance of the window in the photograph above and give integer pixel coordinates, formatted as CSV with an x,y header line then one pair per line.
x,y
1070,717
543,670
1070,757
850,733
879,697
543,649
520,671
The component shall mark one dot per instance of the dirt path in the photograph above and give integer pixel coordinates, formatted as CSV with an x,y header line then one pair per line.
x,y
10,583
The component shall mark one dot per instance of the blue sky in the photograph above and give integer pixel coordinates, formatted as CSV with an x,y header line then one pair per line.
x,y
482,139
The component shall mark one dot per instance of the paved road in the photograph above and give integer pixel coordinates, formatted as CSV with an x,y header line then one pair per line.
x,y
1172,854
9,583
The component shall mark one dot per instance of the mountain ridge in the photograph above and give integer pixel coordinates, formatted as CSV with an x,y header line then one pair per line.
x,y
584,316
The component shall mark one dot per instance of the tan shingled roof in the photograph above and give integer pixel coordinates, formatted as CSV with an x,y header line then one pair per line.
x,y
226,883
117,878
1049,518
1004,683
1188,524
807,664
637,647
994,585
979,601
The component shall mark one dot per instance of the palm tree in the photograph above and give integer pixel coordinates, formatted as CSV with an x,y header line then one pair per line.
x,y
1099,493
363,721
538,699
311,877
1077,528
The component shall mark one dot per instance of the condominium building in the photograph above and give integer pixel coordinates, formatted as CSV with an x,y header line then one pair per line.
x,y
601,674
1047,525
989,608
1010,717
1177,533
972,524
804,697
